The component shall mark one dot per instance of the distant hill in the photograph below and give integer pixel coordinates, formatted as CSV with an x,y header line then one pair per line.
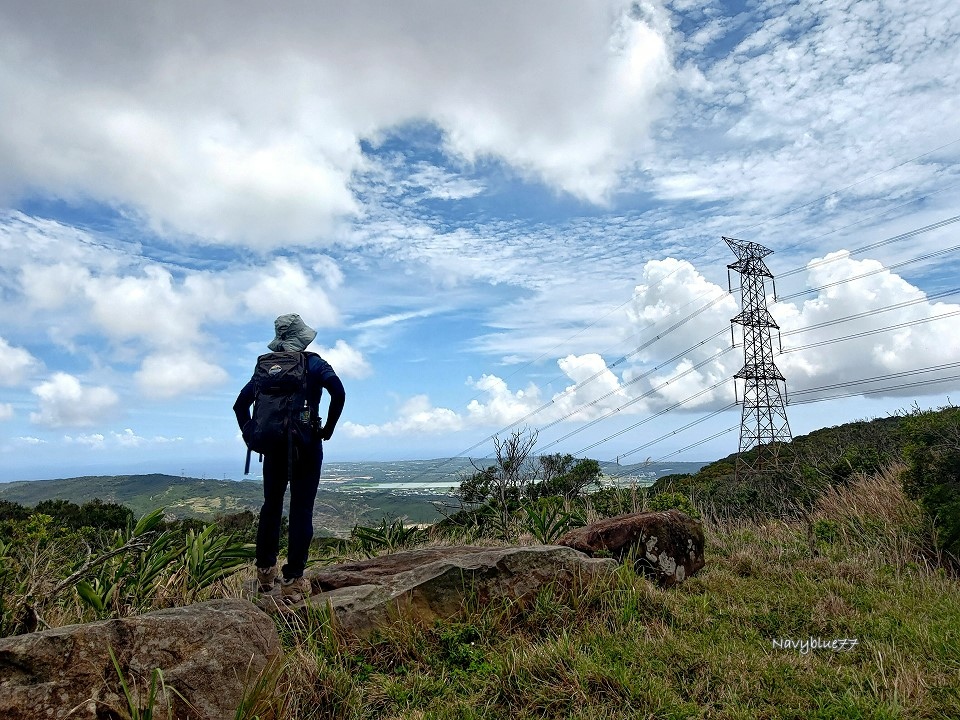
x,y
181,496
350,493
336,510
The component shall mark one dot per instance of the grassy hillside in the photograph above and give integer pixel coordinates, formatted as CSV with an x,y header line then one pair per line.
x,y
142,493
851,619
336,511
841,602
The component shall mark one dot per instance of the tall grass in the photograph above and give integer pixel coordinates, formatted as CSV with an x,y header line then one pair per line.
x,y
622,647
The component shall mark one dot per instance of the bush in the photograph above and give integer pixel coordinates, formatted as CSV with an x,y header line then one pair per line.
x,y
673,501
933,469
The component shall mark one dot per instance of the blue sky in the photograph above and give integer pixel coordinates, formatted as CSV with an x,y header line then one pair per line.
x,y
481,208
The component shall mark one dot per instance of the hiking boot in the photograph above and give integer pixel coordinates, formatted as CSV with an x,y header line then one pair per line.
x,y
266,577
294,590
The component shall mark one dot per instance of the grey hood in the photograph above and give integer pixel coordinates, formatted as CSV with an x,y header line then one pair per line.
x,y
293,334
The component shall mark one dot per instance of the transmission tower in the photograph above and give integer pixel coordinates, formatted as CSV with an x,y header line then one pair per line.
x,y
763,421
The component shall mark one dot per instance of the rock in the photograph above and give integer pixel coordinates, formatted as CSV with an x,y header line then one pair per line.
x,y
437,582
207,652
668,545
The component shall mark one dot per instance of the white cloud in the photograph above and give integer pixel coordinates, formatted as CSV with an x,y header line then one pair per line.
x,y
916,346
285,287
6,411
204,138
94,441
441,184
179,373
345,360
696,355
65,402
810,98
29,440
673,290
15,364
416,416
68,283
129,439
153,307
500,405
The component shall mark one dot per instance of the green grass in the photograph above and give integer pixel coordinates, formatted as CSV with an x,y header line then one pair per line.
x,y
704,649
859,564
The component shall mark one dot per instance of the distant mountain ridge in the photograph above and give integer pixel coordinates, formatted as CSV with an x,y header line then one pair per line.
x,y
349,493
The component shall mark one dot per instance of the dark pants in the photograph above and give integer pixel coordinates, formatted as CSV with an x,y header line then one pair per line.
x,y
303,492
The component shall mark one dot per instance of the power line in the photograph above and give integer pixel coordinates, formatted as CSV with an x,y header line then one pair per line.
x,y
876,331
703,441
640,377
699,255
852,185
873,246
581,384
689,425
883,268
647,419
867,218
874,391
875,311
637,350
718,354
888,376
896,238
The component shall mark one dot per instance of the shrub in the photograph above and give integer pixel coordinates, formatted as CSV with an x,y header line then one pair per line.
x,y
933,469
673,501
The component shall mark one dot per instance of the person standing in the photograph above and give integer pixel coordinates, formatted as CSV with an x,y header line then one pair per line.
x,y
299,467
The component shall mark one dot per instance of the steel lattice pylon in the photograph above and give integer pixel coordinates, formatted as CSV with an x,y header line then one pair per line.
x,y
764,418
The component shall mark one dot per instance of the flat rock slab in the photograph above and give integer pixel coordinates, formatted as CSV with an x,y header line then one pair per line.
x,y
207,652
666,545
437,582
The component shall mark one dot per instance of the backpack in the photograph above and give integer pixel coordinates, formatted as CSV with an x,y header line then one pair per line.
x,y
282,418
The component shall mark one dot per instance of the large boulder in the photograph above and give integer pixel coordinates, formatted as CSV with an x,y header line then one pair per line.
x,y
207,652
665,545
426,584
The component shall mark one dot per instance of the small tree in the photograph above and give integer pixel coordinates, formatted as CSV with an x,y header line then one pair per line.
x,y
564,476
502,485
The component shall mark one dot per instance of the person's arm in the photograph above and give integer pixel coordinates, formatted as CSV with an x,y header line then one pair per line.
x,y
241,408
332,384
321,370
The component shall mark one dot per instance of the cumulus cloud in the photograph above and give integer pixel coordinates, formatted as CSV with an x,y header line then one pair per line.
x,y
129,439
416,416
500,405
202,137
285,286
78,288
346,360
29,440
692,366
65,402
173,374
814,358
94,441
15,364
6,411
